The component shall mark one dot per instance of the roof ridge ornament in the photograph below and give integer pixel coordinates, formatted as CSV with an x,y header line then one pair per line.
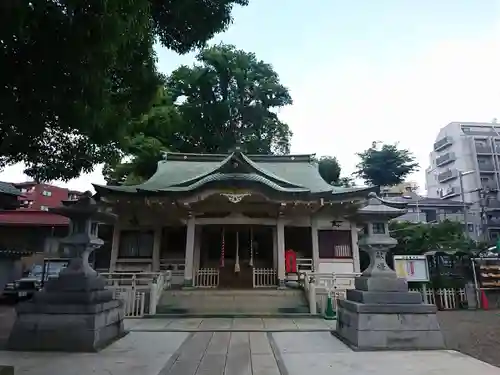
x,y
237,149
235,197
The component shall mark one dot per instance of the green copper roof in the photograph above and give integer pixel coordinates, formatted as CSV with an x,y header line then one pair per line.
x,y
187,172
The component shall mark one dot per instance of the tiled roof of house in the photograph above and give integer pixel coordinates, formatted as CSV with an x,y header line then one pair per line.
x,y
9,189
32,218
414,199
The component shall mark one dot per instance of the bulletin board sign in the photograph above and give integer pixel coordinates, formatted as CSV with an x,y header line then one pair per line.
x,y
414,268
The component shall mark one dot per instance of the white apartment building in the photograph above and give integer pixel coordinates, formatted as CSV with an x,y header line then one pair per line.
x,y
468,154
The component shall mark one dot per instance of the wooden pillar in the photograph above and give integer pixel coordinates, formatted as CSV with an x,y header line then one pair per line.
x,y
156,248
355,248
115,246
275,249
189,262
315,243
197,249
280,237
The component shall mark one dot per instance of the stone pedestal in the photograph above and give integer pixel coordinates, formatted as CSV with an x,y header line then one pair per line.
x,y
390,319
69,317
380,313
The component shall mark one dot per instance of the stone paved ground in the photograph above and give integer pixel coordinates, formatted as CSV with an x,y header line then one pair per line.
x,y
476,333
233,324
242,353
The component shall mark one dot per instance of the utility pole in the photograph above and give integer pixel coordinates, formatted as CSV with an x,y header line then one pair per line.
x,y
483,201
464,204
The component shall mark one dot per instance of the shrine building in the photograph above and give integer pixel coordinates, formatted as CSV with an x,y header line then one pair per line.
x,y
226,220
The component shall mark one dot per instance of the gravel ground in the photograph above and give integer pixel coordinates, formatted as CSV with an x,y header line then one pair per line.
x,y
472,332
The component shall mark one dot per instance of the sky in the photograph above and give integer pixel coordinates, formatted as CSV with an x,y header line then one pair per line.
x,y
364,70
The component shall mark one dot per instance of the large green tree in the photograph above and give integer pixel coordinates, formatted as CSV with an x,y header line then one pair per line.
x,y
75,73
329,168
228,98
385,164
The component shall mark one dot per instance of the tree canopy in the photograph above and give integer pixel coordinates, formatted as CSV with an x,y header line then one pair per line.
x,y
76,73
385,164
329,169
228,98
415,239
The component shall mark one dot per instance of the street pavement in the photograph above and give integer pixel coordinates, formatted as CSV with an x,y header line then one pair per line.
x,y
241,353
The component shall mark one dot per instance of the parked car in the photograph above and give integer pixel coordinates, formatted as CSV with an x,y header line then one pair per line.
x,y
24,288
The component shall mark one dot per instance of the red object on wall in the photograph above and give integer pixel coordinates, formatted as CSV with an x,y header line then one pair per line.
x,y
290,261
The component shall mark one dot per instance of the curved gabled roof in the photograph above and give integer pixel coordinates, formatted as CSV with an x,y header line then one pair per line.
x,y
296,174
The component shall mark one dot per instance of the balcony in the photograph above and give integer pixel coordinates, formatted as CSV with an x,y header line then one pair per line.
x,y
483,149
486,167
492,205
448,175
489,185
494,221
449,192
447,158
443,143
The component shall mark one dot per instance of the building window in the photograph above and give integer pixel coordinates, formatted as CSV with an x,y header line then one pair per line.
x,y
44,208
494,235
46,193
334,244
378,228
136,244
480,143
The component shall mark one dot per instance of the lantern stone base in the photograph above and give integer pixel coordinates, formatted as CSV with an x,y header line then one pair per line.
x,y
396,320
66,327
73,313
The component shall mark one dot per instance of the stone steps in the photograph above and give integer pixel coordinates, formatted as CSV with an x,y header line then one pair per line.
x,y
233,302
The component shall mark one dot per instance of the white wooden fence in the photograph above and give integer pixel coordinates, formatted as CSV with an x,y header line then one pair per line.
x,y
318,286
159,284
138,280
444,298
305,265
264,277
136,289
134,301
207,278
176,266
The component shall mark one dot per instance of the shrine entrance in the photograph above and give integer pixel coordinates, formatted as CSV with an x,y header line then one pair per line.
x,y
236,250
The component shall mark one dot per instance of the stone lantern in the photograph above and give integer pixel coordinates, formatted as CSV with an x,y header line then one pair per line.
x,y
380,313
74,312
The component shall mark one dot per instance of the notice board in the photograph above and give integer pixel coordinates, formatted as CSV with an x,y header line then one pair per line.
x,y
412,267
